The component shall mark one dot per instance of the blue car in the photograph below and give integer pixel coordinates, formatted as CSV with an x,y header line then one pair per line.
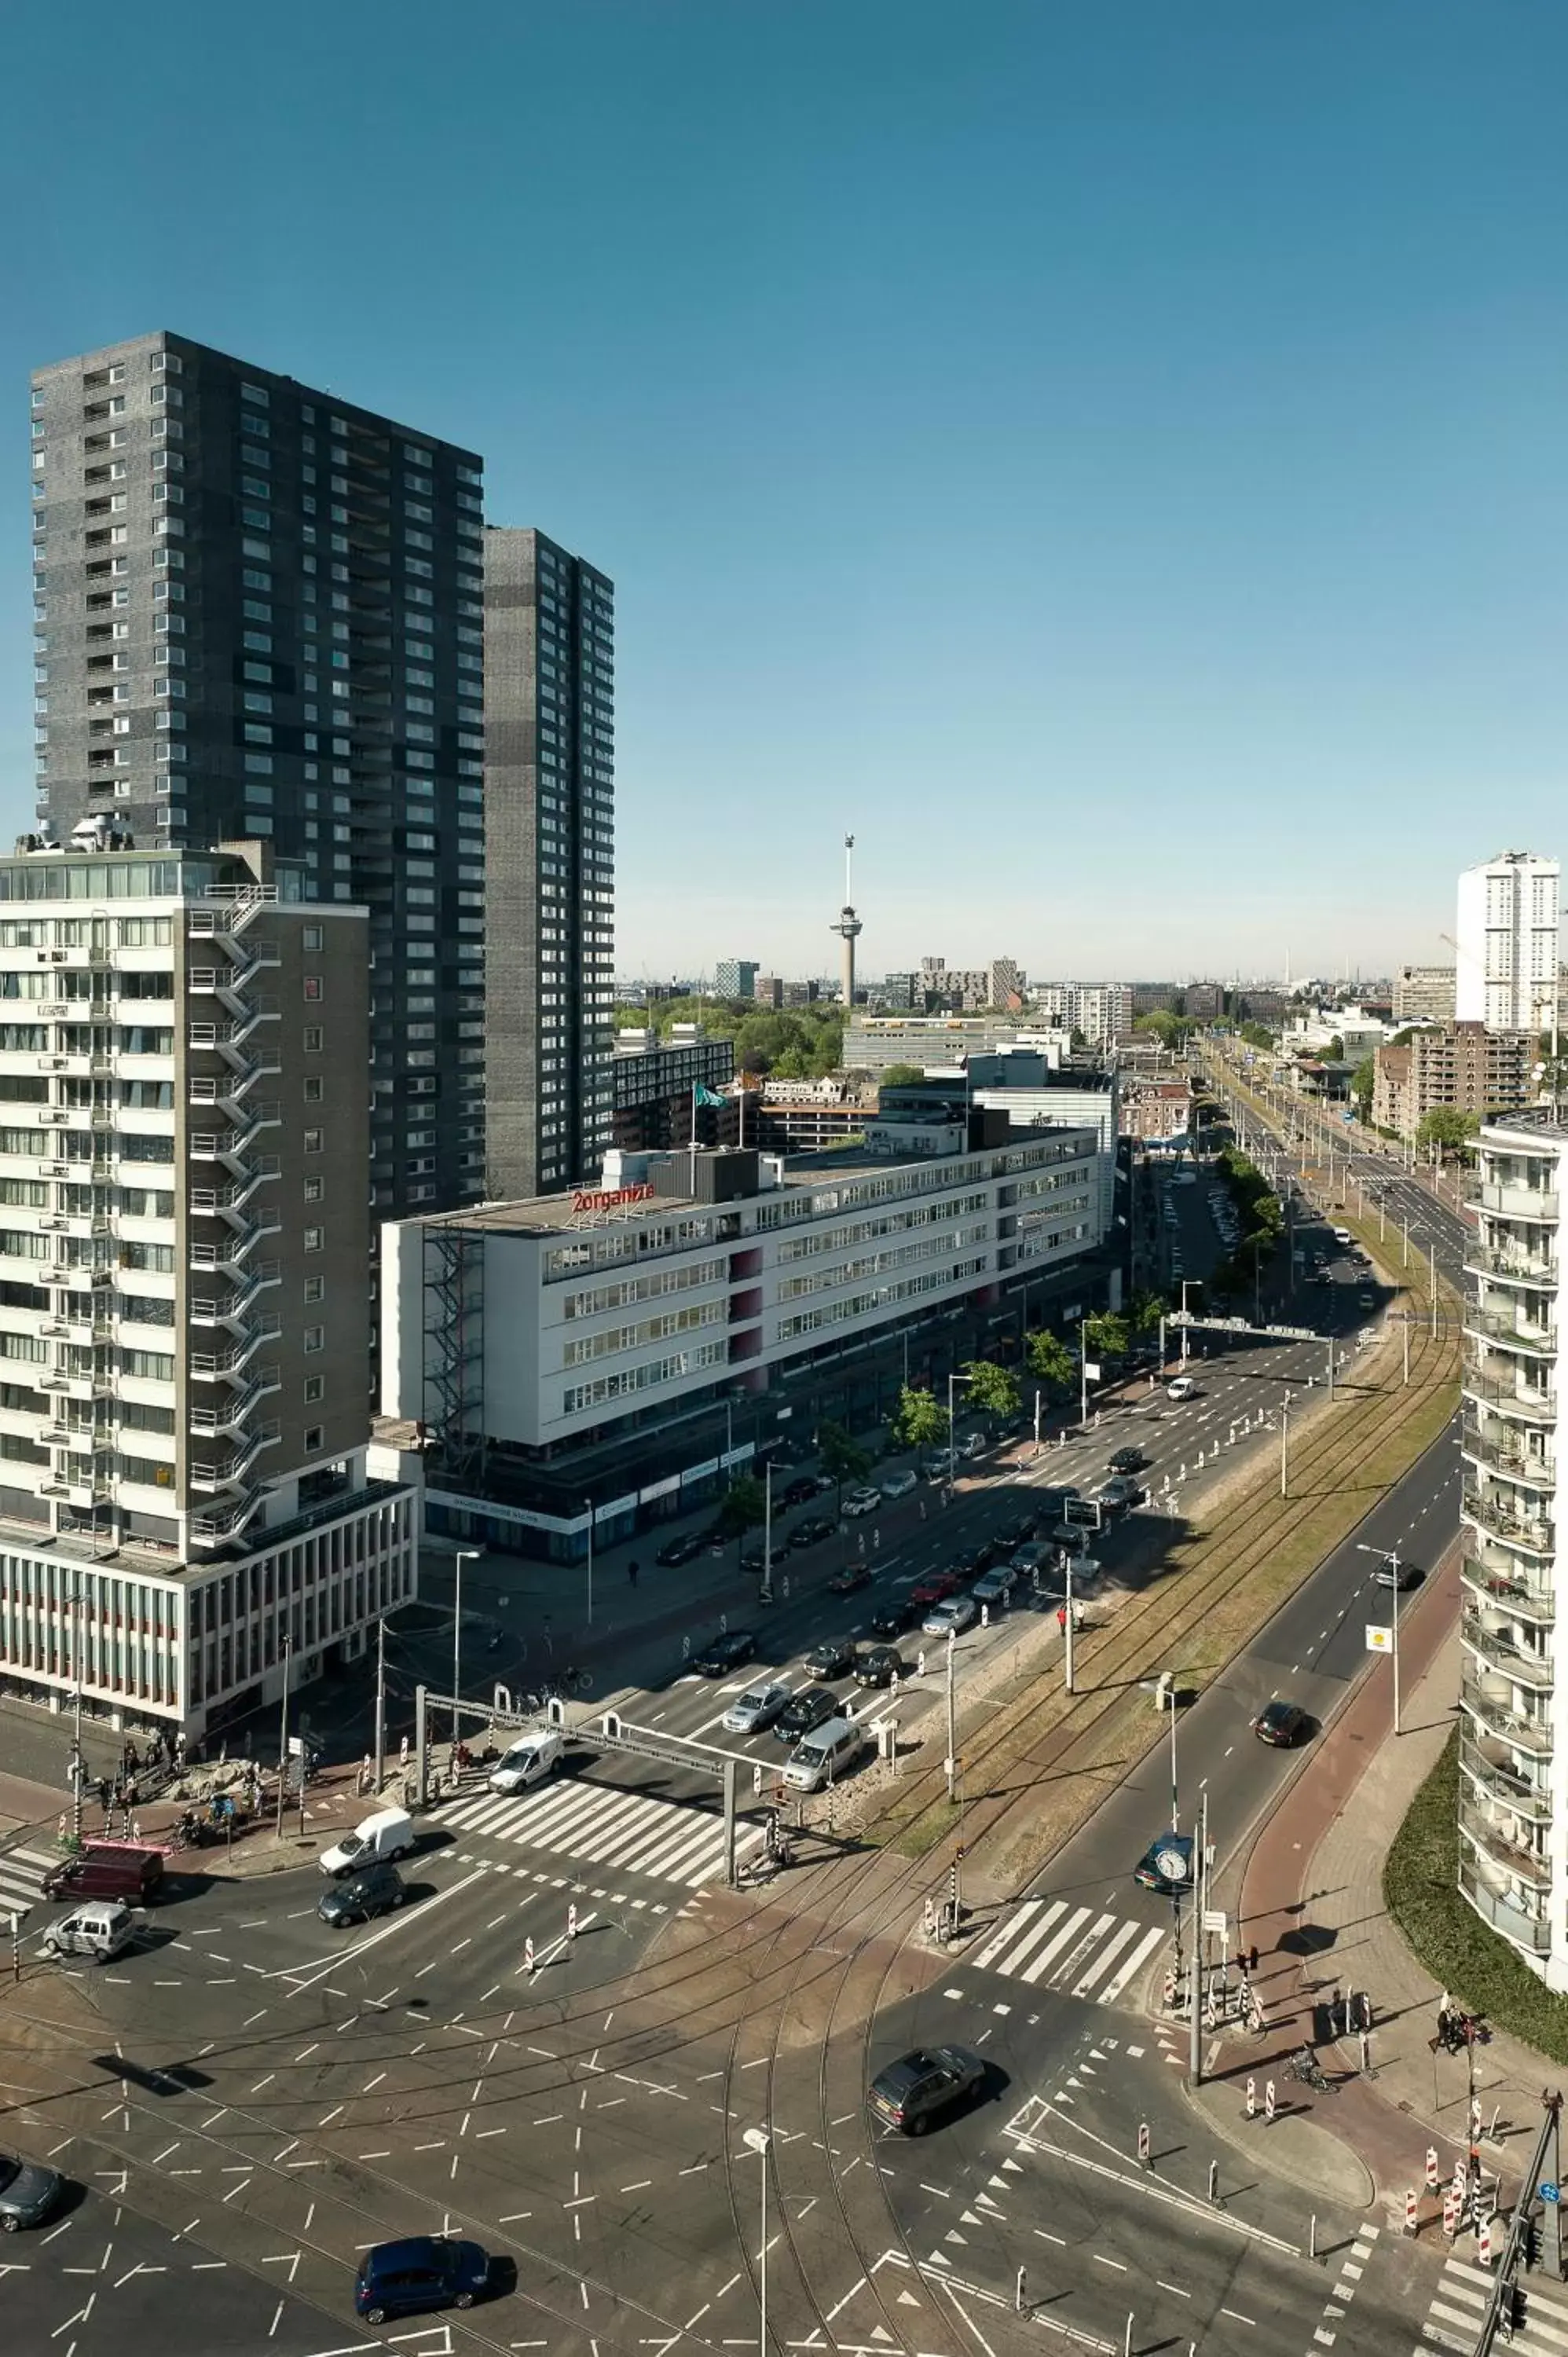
x,y
424,2272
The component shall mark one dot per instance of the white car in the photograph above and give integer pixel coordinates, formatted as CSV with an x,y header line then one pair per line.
x,y
1180,1387
862,1502
758,1706
944,1619
898,1485
529,1760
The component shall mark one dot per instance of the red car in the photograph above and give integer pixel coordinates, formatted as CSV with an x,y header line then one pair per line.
x,y
937,1589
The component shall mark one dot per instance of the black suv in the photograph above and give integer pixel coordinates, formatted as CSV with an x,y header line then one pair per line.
x,y
829,1658
812,1531
917,2089
892,1618
1127,1460
675,1552
806,1710
725,1653
877,1665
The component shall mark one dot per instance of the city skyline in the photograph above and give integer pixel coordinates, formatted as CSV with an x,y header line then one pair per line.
x,y
1213,511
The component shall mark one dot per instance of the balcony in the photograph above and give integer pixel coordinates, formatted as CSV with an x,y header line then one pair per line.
x,y
1494,1772
1502,1328
1497,1445
1516,1857
1507,1393
1506,1912
1516,1202
1490,1512
1498,1650
230,1473
1512,1268
1501,1586
229,1422
1494,1711
227,1366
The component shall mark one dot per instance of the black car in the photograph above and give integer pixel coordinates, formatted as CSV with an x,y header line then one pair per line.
x,y
801,1491
919,2087
420,2272
1127,1460
1282,1724
812,1531
1016,1533
970,1561
879,1665
375,1891
675,1552
853,1575
731,1651
1394,1572
831,1658
899,1612
804,1711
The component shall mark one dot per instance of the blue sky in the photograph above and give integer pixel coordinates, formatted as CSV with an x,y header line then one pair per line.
x,y
1112,460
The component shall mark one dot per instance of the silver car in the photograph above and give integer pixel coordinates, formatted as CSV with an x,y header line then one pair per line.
x,y
28,2192
757,1707
944,1619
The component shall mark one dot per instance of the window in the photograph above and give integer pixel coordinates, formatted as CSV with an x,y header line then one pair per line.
x,y
312,1089
316,1288
313,1188
311,986
315,1439
313,937
315,1339
312,1141
314,1387
313,1238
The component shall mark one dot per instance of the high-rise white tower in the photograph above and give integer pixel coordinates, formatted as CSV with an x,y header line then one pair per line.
x,y
1505,941
847,925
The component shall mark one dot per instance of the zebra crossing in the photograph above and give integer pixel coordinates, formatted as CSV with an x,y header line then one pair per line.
x,y
22,1872
1453,2318
609,1828
1049,1944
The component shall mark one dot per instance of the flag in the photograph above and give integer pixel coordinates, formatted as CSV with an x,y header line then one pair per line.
x,y
701,1096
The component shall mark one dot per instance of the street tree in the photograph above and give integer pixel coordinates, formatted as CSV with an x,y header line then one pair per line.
x,y
843,1458
919,1422
1049,1360
1449,1129
742,1508
902,1076
1106,1336
993,1390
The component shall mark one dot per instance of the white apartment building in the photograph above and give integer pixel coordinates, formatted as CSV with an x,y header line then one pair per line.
x,y
1506,943
184,1286
521,1328
1099,1009
1513,1754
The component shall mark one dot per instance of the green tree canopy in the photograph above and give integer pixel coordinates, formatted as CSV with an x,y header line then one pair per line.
x,y
1363,1079
843,1458
1169,1029
1106,1336
1446,1127
902,1076
742,1508
1146,1310
993,1390
919,1422
1258,1034
1050,1360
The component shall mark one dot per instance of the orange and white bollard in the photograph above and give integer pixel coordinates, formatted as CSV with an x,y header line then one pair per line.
x,y
1411,2222
1432,2168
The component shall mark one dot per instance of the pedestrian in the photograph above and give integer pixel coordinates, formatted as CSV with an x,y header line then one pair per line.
x,y
631,1572
133,1792
103,1794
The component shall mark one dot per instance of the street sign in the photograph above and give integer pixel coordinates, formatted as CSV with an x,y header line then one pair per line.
x,y
1379,1641
1550,2192
1214,1919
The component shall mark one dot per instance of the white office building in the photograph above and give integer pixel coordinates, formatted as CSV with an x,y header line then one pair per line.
x,y
184,1286
1513,1754
517,1330
1506,938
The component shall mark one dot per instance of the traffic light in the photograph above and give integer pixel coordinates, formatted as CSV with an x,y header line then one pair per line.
x,y
1530,2244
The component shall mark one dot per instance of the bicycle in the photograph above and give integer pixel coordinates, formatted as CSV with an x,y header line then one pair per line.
x,y
1304,2066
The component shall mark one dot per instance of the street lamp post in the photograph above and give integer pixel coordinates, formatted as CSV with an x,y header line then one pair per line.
x,y
757,2140
953,1431
464,1555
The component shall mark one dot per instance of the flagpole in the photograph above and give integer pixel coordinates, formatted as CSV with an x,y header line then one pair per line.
x,y
692,1189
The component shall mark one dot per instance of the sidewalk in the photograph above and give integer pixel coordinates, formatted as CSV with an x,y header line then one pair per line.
x,y
1311,1901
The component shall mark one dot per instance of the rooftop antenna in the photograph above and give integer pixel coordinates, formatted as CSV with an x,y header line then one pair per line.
x,y
848,927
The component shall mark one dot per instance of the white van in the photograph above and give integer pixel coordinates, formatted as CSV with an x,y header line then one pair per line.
x,y
529,1760
825,1755
388,1834
98,1928
1180,1387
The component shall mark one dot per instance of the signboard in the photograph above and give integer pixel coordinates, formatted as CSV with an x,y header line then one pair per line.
x,y
608,1199
1550,2192
1379,1641
660,1488
1092,1373
701,1472
627,1505
1214,1919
